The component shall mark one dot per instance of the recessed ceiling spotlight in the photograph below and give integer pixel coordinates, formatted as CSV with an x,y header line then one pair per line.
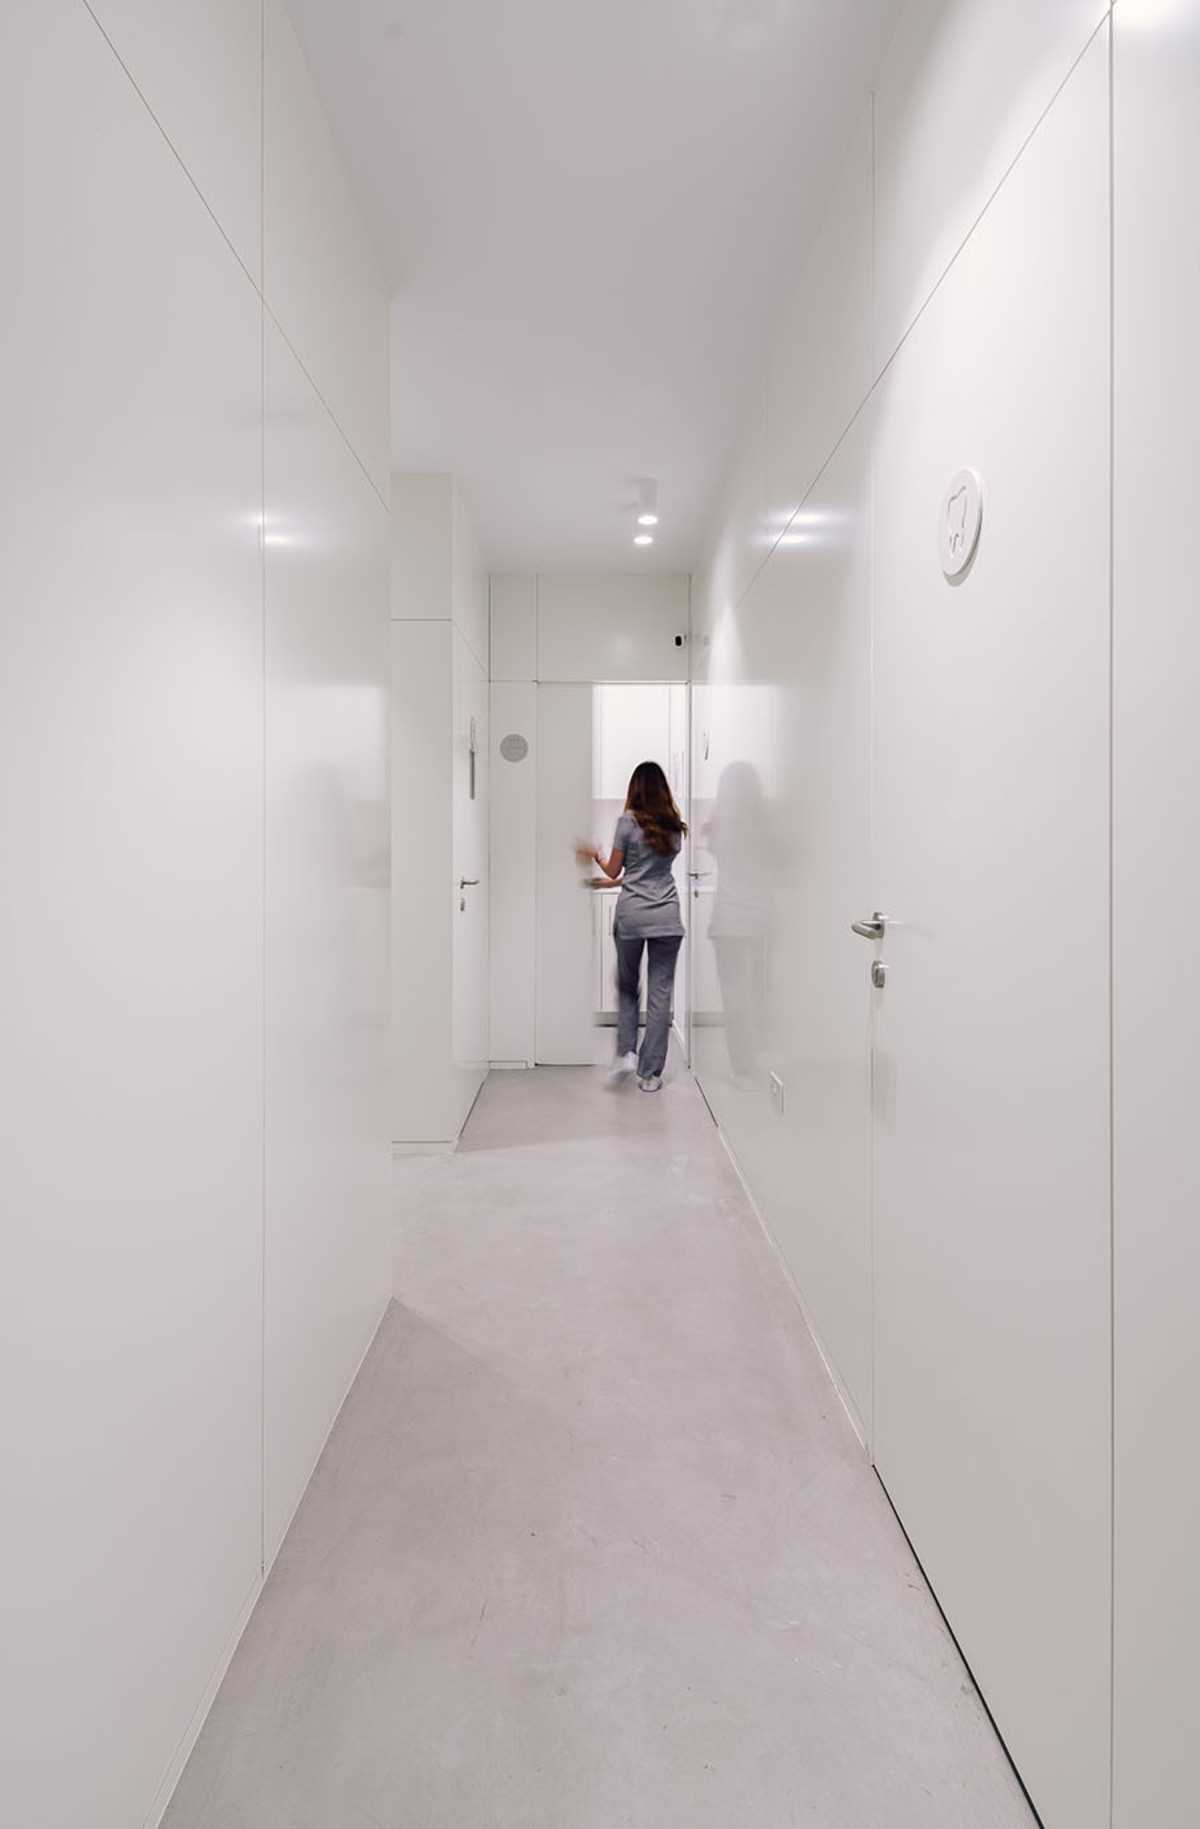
x,y
647,502
643,539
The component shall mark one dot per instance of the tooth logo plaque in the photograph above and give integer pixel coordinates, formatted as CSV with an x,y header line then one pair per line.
x,y
961,522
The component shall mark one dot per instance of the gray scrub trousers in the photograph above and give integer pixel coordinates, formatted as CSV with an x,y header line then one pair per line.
x,y
648,916
660,984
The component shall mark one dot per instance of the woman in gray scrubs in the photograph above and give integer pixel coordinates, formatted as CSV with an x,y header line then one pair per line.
x,y
647,841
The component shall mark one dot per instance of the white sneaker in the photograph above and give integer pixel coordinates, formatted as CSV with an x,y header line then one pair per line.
x,y
653,1083
624,1063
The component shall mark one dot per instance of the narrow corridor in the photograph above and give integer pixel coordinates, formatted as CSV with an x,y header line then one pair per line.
x,y
592,1542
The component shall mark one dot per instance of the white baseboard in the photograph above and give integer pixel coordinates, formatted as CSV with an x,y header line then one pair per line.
x,y
847,1402
270,1560
183,1751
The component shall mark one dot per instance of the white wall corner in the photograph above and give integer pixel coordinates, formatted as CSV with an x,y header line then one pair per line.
x,y
422,537
514,627
469,592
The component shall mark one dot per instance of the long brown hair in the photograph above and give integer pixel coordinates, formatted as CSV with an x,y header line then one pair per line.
x,y
652,804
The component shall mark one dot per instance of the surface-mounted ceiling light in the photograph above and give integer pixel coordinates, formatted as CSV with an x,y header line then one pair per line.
x,y
643,539
647,502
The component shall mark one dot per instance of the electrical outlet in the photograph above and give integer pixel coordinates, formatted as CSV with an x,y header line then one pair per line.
x,y
776,1085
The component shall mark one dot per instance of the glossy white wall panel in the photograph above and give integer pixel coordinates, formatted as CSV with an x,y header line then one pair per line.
x,y
1156,893
513,869
780,816
327,925
514,627
961,88
424,1101
421,578
616,627
131,922
199,63
820,368
991,818
321,276
739,544
469,603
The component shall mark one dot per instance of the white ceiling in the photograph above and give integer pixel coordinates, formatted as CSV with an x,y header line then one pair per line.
x,y
587,209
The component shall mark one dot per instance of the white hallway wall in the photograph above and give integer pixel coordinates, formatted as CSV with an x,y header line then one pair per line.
x,y
560,630
193,730
787,583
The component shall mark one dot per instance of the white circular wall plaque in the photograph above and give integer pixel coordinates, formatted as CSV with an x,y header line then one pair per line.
x,y
514,748
962,518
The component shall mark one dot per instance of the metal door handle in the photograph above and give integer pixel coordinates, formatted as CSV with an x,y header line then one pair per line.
x,y
468,882
696,873
874,929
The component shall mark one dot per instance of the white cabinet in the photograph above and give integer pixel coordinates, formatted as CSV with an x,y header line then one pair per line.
x,y
630,724
604,913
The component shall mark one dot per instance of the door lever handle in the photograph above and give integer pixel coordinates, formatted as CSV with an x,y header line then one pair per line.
x,y
874,929
696,873
468,882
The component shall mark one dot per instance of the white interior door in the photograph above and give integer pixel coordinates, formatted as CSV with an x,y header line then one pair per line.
x,y
469,888
1156,893
678,773
564,973
705,1018
991,1076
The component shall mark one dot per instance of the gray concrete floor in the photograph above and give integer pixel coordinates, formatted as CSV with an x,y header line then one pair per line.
x,y
593,1543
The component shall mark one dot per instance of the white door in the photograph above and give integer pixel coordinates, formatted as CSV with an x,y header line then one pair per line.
x,y
469,888
678,772
992,1380
565,983
1156,894
705,1018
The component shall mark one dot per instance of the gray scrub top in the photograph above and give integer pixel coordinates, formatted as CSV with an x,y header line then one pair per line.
x,y
648,906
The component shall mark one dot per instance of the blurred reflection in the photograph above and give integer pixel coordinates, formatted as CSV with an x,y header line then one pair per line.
x,y
738,837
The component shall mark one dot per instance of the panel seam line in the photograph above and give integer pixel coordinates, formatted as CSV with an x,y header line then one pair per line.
x,y
259,284
922,308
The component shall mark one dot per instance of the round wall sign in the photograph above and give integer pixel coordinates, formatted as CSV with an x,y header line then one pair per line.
x,y
962,518
514,748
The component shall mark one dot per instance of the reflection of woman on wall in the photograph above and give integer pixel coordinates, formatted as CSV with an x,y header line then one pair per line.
x,y
738,838
647,840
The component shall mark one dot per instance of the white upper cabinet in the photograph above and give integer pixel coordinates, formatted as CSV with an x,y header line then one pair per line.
x,y
618,627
